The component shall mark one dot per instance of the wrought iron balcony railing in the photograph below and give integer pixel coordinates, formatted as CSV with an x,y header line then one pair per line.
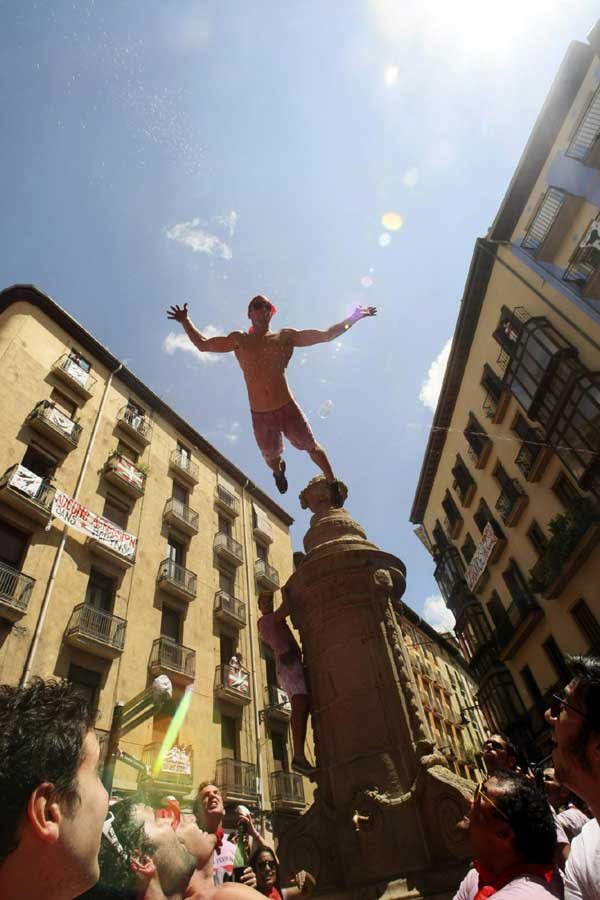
x,y
233,682
227,499
230,607
52,417
236,779
15,588
184,464
287,790
178,510
99,625
80,379
136,422
29,485
510,502
225,545
178,575
264,572
168,654
122,471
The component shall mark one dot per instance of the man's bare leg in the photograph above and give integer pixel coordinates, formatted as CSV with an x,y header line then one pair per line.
x,y
319,457
298,724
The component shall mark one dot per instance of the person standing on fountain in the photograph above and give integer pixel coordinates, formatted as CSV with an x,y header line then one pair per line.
x,y
275,631
263,356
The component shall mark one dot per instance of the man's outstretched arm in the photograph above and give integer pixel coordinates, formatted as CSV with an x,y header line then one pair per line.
x,y
310,336
221,344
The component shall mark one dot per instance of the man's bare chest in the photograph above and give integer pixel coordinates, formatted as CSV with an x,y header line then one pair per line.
x,y
265,355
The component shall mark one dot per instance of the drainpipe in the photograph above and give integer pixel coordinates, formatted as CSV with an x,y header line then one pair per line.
x,y
253,665
59,552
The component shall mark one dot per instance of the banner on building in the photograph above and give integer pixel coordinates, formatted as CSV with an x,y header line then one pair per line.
x,y
79,517
76,371
480,558
128,471
52,414
178,761
25,481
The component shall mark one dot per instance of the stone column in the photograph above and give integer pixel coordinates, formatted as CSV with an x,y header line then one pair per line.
x,y
386,805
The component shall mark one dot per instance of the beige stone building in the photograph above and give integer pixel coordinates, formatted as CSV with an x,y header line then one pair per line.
x,y
158,572
509,488
448,694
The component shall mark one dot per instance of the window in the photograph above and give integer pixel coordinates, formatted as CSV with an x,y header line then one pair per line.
x,y
483,516
508,330
13,545
87,683
468,548
543,220
224,525
100,592
554,654
180,494
464,484
537,537
587,131
453,516
81,361
439,536
576,432
280,751
63,404
227,647
517,587
227,582
493,386
499,616
170,624
531,684
261,552
566,493
477,440
588,624
39,462
230,732
116,511
125,450
176,551
185,456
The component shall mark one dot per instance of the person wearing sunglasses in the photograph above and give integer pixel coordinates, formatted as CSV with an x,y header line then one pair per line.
x,y
263,356
268,878
499,753
512,835
575,721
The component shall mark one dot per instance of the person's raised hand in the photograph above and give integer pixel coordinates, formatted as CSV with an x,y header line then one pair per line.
x,y
248,821
248,877
361,312
178,313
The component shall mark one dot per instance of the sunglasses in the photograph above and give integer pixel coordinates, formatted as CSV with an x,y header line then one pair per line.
x,y
558,704
495,745
267,863
480,792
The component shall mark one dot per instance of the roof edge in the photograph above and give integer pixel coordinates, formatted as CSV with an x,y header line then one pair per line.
x,y
29,293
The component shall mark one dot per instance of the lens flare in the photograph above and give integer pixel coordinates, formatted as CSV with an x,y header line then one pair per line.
x,y
390,75
384,239
325,409
366,281
392,221
173,730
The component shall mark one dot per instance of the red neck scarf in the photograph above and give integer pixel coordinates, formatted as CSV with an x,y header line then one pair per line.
x,y
490,883
220,834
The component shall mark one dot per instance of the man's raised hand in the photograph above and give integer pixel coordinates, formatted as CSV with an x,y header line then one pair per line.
x,y
362,312
179,313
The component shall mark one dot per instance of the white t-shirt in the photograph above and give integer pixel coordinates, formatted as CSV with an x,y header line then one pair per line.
x,y
223,862
523,887
582,872
572,820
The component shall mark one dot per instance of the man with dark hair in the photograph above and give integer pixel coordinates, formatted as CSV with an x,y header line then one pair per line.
x,y
575,721
499,753
512,835
53,801
263,356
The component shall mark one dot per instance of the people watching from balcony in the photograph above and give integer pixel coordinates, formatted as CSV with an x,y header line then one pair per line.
x,y
209,811
499,753
54,803
513,839
575,721
275,631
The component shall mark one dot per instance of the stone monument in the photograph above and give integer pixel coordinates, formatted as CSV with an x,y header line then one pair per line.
x,y
383,822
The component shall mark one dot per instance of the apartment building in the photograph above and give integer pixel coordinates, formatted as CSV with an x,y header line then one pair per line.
x,y
130,548
509,490
448,694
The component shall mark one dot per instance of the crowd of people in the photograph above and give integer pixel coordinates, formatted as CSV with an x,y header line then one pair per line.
x,y
532,833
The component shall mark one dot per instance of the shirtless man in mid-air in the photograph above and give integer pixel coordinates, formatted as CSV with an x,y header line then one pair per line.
x,y
263,356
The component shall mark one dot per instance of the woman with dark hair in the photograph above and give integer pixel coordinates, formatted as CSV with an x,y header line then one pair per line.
x,y
266,868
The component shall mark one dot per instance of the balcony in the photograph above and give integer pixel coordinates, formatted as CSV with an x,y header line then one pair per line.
x,y
74,376
96,631
182,466
135,425
522,617
232,683
50,422
176,580
15,591
266,576
479,452
551,224
449,572
230,610
261,526
181,516
511,503
227,501
27,493
575,534
532,458
453,525
176,772
174,660
277,703
237,781
287,792
226,548
115,547
125,475
464,483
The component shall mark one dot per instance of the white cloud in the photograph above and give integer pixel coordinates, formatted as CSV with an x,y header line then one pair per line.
x,y
194,235
229,431
229,221
431,387
437,614
180,341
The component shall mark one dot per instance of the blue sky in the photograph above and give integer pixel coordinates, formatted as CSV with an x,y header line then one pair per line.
x,y
158,152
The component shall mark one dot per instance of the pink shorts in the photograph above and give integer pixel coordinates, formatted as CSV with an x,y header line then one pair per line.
x,y
290,677
288,420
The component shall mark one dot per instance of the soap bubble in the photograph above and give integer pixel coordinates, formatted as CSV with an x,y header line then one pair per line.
x,y
325,409
384,239
366,281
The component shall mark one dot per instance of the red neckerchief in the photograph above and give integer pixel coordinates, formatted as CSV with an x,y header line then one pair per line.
x,y
219,834
274,894
490,883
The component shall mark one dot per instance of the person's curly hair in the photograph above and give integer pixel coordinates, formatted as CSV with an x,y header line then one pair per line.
x,y
528,812
42,730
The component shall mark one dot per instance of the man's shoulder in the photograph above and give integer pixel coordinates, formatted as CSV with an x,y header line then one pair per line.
x,y
530,887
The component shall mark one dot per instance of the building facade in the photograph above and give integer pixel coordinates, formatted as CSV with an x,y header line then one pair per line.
x,y
448,695
157,571
509,490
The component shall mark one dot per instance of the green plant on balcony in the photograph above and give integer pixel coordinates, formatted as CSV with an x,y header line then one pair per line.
x,y
566,531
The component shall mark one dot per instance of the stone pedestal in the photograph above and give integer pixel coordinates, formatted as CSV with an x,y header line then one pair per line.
x,y
384,816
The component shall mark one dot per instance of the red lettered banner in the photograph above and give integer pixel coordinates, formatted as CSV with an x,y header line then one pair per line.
x,y
79,517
